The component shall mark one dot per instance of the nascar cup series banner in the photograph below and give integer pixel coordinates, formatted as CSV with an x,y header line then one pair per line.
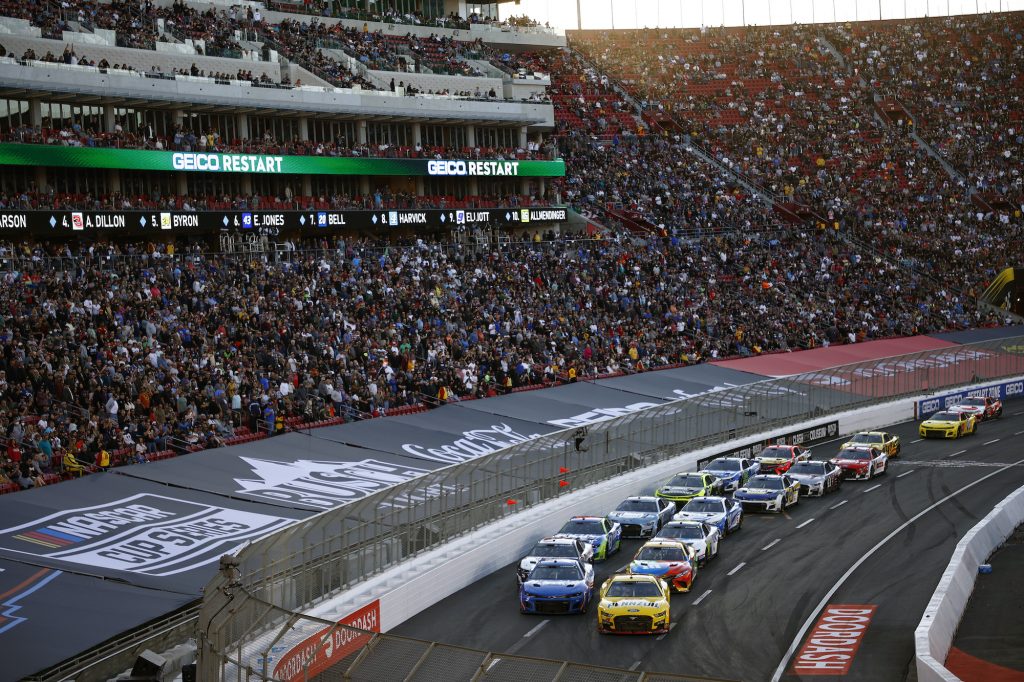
x,y
268,164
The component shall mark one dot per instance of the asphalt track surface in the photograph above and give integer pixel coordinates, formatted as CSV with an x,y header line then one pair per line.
x,y
884,542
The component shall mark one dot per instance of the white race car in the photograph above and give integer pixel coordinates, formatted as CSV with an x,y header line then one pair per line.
x,y
700,536
554,548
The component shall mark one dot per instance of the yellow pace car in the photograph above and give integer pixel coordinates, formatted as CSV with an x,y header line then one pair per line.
x,y
889,443
948,425
633,605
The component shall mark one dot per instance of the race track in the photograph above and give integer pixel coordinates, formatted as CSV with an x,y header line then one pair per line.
x,y
883,543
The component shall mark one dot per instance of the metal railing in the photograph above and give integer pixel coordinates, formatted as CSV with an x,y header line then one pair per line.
x,y
330,552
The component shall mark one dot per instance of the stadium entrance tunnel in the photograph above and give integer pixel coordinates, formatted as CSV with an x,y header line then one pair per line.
x,y
1006,292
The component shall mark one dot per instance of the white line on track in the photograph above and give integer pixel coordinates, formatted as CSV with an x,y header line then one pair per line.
x,y
738,567
1018,433
874,487
916,441
771,544
671,627
837,506
635,665
906,473
955,454
864,557
996,440
807,522
701,598
526,638
536,628
622,569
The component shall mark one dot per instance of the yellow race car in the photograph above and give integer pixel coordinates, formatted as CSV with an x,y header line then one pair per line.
x,y
633,605
889,443
948,425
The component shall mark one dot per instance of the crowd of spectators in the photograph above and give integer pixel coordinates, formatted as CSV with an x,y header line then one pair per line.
x,y
136,348
962,79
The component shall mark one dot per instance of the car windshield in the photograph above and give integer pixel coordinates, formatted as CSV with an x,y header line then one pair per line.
x,y
724,465
973,402
681,532
866,438
851,453
703,506
945,417
554,551
637,506
808,468
622,588
661,554
775,451
766,482
584,527
556,573
687,481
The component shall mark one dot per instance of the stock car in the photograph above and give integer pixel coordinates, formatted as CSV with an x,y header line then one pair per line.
x,y
948,424
777,459
889,443
982,407
642,516
633,605
672,561
554,548
860,462
816,477
733,472
683,487
702,537
768,492
603,535
724,514
557,586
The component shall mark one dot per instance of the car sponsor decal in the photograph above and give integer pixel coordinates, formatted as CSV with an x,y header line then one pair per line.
x,y
325,484
834,640
1003,391
9,607
329,645
146,534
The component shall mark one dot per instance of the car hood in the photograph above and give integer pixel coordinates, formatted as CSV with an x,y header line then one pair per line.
x,y
724,475
934,423
680,490
583,538
699,516
757,491
633,602
656,567
632,516
808,478
772,460
551,588
851,462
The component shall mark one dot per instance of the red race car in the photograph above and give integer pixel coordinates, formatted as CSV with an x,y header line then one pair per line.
x,y
776,459
982,407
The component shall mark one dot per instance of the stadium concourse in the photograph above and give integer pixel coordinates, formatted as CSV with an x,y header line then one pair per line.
x,y
746,192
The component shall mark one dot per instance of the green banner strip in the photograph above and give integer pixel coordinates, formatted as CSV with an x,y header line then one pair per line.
x,y
268,164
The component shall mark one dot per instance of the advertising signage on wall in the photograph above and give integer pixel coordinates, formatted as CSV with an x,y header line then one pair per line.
x,y
70,223
267,164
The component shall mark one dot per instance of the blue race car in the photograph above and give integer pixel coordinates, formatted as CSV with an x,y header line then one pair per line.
x,y
557,586
733,472
642,516
720,512
604,535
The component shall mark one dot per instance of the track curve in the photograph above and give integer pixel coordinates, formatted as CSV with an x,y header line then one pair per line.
x,y
748,606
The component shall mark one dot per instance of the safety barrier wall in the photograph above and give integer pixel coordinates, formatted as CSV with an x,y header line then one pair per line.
x,y
309,563
934,634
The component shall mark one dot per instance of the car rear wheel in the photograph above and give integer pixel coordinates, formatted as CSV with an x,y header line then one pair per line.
x,y
739,524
